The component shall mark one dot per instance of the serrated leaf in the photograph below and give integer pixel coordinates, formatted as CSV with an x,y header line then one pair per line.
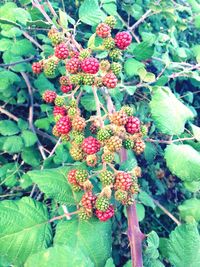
x,y
131,67
196,131
63,19
24,229
29,138
168,113
13,144
131,89
59,256
5,44
31,156
140,209
143,51
85,235
183,161
43,123
184,246
90,12
190,208
146,199
88,102
8,128
54,184
39,23
23,48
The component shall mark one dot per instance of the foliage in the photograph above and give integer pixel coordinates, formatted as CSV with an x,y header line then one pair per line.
x,y
160,81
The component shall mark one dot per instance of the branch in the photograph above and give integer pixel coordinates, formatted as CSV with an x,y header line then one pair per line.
x,y
168,142
10,115
32,40
18,62
144,16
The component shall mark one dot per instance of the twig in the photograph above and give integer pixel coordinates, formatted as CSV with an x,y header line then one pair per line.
x,y
169,142
51,9
10,115
32,40
18,62
62,216
144,16
167,212
53,150
36,4
96,98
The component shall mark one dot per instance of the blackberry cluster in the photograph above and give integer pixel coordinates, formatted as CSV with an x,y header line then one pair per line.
x,y
97,144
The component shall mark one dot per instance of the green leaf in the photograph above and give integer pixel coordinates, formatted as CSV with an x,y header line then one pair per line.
x,y
29,138
5,44
42,83
8,127
140,211
43,123
59,256
90,12
143,51
168,113
110,8
13,144
184,246
85,234
88,102
131,89
190,208
131,67
63,19
39,23
110,263
31,156
184,162
54,184
146,199
23,48
130,163
24,229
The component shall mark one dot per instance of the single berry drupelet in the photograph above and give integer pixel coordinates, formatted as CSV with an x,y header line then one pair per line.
x,y
133,125
91,145
123,181
49,96
37,67
61,51
105,215
78,124
103,30
110,80
73,65
123,40
90,65
81,176
102,203
106,177
64,125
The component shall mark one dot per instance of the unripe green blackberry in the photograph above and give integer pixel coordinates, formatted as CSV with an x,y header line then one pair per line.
x,y
50,68
135,188
144,130
104,65
128,110
57,117
76,79
73,103
106,177
109,43
108,157
75,188
115,54
88,79
116,68
98,81
84,214
65,138
114,144
110,21
128,143
84,53
76,153
102,203
72,112
55,36
103,134
59,101
78,139
121,195
81,176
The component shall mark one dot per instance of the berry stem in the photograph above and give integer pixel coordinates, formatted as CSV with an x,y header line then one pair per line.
x,y
94,89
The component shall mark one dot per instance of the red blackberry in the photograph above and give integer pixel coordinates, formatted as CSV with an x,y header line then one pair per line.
x,y
123,40
72,177
90,65
88,200
105,215
59,111
133,125
61,51
103,30
37,67
90,145
66,88
64,125
110,80
123,181
49,96
73,65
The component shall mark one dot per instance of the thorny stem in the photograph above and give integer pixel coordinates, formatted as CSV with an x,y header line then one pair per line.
x,y
18,62
65,215
32,40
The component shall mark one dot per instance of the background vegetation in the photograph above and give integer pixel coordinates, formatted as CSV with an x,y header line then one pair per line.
x,y
161,80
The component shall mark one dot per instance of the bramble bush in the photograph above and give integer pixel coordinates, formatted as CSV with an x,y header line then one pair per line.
x,y
99,162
